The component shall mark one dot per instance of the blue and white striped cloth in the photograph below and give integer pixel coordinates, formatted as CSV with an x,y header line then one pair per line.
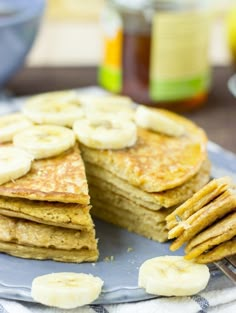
x,y
216,301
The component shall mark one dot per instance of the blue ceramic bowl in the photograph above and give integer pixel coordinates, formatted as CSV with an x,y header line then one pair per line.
x,y
19,23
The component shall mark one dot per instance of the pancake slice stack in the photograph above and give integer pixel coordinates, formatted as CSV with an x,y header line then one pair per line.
x,y
46,213
137,187
206,223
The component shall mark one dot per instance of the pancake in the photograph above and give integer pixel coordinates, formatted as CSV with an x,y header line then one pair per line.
x,y
126,205
67,215
32,235
61,178
125,219
220,232
206,216
75,256
157,162
176,220
225,249
153,201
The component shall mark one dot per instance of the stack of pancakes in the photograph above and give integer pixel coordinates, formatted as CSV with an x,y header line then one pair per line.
x,y
45,214
137,187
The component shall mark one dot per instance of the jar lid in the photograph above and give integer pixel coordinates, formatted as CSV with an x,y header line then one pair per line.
x,y
131,4
136,5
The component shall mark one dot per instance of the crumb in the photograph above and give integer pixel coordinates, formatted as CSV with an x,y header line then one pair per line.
x,y
93,264
178,218
130,249
185,225
13,181
109,258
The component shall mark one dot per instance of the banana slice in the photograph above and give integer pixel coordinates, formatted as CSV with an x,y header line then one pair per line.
x,y
103,102
45,141
14,163
99,108
172,276
57,108
157,121
11,124
105,134
66,290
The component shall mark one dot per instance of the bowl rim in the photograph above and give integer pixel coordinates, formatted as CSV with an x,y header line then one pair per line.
x,y
232,85
32,8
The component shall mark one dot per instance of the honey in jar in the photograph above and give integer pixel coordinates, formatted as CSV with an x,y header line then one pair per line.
x,y
157,52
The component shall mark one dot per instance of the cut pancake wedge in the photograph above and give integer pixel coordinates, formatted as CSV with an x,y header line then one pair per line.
x,y
204,217
44,238
204,196
61,178
206,223
225,249
74,256
218,233
46,213
68,215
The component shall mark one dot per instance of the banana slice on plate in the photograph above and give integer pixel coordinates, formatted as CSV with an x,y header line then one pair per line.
x,y
113,134
11,124
66,290
173,276
98,108
45,141
157,121
14,163
57,108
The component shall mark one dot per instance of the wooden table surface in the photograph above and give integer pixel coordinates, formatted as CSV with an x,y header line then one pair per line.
x,y
217,116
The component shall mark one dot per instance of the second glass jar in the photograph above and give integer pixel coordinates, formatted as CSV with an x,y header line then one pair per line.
x,y
157,52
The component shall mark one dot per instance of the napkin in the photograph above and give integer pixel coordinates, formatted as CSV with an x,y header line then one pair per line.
x,y
215,301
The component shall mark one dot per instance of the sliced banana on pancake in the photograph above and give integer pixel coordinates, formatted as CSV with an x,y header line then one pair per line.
x,y
172,276
158,121
66,290
104,102
45,141
98,108
14,163
57,108
11,124
113,134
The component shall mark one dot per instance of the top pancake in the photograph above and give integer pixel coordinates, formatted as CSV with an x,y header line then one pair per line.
x,y
61,178
157,162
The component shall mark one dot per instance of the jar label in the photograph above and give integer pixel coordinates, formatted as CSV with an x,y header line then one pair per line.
x,y
110,71
179,66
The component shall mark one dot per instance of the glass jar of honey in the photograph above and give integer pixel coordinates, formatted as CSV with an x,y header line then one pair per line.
x,y
156,51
